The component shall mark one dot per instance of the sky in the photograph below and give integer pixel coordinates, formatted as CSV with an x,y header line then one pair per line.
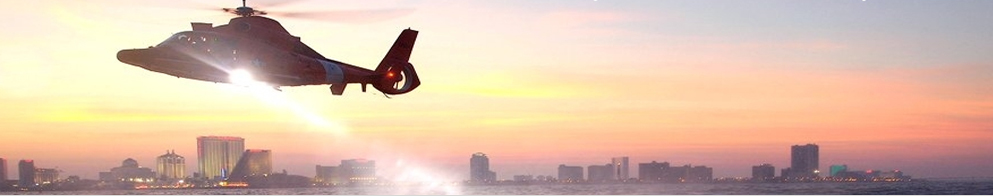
x,y
877,84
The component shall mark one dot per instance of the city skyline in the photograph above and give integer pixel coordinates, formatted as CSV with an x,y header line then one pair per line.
x,y
800,156
259,162
882,84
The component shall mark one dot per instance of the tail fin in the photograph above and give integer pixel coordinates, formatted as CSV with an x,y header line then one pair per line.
x,y
397,75
400,52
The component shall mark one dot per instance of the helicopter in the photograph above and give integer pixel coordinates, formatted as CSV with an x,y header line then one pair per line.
x,y
253,48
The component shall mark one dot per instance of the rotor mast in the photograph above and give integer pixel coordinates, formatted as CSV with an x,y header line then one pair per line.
x,y
244,10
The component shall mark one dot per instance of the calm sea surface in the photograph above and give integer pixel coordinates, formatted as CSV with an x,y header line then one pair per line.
x,y
901,188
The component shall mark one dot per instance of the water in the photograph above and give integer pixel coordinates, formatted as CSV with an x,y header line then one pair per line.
x,y
901,188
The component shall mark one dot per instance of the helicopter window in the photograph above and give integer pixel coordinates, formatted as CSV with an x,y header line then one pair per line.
x,y
179,38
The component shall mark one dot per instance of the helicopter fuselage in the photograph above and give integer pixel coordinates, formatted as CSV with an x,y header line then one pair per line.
x,y
260,46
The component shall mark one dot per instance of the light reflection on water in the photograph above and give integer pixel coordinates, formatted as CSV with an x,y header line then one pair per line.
x,y
901,188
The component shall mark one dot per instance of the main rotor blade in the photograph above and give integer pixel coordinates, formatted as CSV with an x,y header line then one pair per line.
x,y
187,4
271,3
348,16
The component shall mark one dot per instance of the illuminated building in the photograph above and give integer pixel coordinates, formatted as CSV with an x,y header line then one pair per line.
x,y
358,170
130,172
46,176
217,155
652,172
570,173
479,168
171,166
804,161
253,162
328,175
601,173
621,169
26,172
3,171
763,172
838,169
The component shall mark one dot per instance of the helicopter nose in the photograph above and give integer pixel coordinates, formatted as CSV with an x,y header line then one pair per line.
x,y
132,56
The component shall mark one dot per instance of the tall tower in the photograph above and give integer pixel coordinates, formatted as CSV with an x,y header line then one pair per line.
x,y
171,166
217,155
26,172
3,171
479,168
805,161
620,168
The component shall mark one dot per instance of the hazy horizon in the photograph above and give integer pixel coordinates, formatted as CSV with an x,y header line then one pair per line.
x,y
877,84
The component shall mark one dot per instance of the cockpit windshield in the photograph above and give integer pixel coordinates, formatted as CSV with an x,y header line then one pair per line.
x,y
203,43
191,39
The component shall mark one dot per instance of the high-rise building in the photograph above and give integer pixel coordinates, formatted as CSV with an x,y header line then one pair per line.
x,y
621,169
837,169
328,175
700,173
217,155
171,166
358,170
662,172
253,162
804,161
570,173
688,173
763,172
26,172
652,172
46,175
479,168
3,171
601,173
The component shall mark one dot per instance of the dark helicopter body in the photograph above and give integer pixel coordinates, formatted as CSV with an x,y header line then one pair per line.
x,y
262,47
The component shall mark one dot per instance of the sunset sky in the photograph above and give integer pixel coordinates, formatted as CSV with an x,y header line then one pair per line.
x,y
878,84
